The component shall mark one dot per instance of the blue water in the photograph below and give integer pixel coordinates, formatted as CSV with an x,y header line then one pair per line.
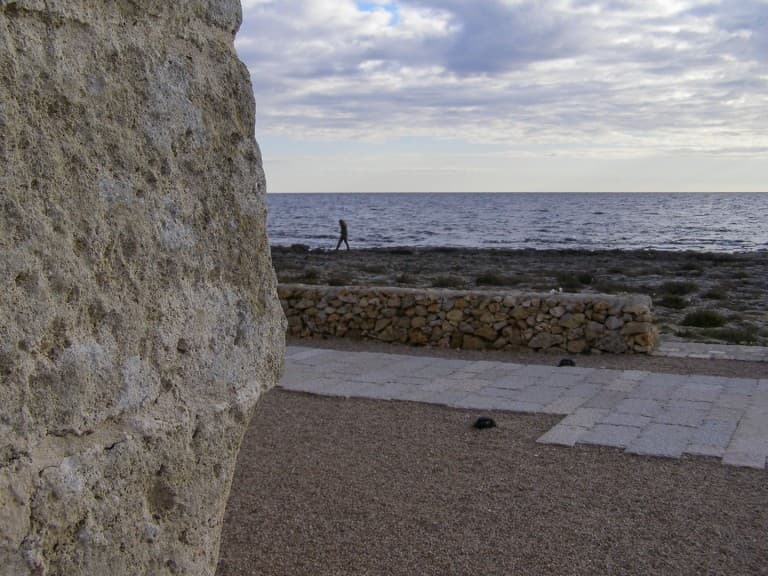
x,y
698,222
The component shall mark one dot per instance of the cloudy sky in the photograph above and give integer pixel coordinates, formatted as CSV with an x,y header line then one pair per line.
x,y
510,95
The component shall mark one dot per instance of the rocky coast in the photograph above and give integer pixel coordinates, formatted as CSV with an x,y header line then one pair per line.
x,y
703,297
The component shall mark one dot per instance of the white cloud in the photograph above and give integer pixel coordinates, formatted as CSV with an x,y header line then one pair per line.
x,y
634,77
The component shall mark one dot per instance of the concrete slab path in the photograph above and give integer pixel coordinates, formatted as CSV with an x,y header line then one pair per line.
x,y
644,413
681,349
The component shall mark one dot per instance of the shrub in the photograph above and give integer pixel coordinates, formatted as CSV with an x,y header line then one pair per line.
x,y
742,335
678,288
717,293
610,287
568,282
584,278
691,267
374,268
687,334
673,301
494,278
703,319
310,274
339,279
651,271
448,282
718,257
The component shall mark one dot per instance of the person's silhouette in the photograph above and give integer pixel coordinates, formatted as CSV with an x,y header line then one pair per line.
x,y
343,234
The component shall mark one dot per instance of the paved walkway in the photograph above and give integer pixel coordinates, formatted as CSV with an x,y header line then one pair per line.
x,y
645,413
681,349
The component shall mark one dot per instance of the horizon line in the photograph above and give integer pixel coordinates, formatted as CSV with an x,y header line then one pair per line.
x,y
538,192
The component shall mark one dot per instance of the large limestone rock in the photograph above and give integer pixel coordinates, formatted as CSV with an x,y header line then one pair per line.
x,y
139,321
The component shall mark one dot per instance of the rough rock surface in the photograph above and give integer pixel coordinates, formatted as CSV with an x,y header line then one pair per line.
x,y
139,321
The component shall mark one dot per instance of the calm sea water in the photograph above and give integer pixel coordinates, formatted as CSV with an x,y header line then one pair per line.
x,y
699,222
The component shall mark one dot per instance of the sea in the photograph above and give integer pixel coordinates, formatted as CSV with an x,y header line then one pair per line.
x,y
724,222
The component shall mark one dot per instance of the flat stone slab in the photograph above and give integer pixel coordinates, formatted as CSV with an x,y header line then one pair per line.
x,y
622,419
641,407
745,459
662,415
563,435
711,351
713,433
610,435
585,417
666,440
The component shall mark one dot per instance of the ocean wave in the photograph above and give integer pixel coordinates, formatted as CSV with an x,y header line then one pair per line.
x,y
626,221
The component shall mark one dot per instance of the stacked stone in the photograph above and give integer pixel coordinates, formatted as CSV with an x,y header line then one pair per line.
x,y
576,323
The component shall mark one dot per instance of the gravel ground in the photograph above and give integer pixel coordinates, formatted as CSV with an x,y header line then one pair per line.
x,y
359,487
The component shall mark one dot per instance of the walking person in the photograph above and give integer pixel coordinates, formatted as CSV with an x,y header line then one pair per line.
x,y
343,234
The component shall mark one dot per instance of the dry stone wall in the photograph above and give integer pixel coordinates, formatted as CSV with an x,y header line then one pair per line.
x,y
576,323
139,320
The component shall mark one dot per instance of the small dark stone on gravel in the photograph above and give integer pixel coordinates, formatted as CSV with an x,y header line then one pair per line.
x,y
566,362
484,422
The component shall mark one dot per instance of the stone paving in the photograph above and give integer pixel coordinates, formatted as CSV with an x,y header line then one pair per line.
x,y
681,349
644,413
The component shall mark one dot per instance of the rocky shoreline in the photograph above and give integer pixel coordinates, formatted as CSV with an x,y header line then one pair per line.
x,y
703,297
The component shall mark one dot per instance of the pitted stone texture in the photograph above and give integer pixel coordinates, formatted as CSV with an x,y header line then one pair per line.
x,y
139,321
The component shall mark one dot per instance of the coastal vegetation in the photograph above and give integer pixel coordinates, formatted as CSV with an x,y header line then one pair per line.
x,y
706,297
448,282
704,319
496,278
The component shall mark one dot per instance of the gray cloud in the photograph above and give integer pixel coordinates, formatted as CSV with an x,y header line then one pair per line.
x,y
626,75
493,36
